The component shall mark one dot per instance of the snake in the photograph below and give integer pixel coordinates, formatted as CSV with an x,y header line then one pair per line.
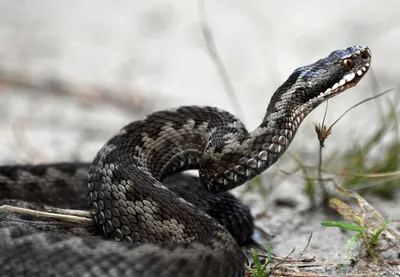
x,y
150,229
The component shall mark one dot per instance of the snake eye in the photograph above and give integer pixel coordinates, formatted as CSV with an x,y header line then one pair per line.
x,y
348,63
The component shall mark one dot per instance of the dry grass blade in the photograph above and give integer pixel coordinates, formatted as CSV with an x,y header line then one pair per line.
x,y
345,210
33,153
323,133
216,58
360,103
356,174
306,247
67,215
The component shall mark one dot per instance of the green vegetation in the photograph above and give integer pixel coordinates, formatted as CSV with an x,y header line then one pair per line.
x,y
358,160
359,168
368,224
258,269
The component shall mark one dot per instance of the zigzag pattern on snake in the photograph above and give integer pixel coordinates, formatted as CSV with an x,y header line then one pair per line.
x,y
162,233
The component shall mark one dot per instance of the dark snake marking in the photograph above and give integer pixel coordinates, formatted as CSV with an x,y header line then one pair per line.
x,y
64,185
129,202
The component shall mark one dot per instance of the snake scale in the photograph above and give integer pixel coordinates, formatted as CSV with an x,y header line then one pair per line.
x,y
130,203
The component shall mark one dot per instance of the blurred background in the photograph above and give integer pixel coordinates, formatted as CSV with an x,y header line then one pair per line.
x,y
74,72
70,69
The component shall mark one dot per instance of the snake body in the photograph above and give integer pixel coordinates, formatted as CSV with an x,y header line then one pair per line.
x,y
129,202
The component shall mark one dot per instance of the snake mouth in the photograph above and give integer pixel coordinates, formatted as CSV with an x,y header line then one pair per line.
x,y
348,81
357,64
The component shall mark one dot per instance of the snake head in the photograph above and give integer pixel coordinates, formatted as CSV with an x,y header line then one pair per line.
x,y
310,85
329,76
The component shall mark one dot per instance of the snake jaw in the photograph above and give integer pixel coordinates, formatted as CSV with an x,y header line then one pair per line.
x,y
348,81
341,70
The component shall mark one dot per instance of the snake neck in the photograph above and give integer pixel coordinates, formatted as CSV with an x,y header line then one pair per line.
x,y
240,158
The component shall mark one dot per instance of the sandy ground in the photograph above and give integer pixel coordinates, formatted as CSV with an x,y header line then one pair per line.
x,y
124,59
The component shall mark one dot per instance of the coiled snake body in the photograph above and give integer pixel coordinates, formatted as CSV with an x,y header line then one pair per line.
x,y
129,203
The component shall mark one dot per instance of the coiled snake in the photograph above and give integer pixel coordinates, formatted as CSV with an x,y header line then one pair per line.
x,y
129,203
